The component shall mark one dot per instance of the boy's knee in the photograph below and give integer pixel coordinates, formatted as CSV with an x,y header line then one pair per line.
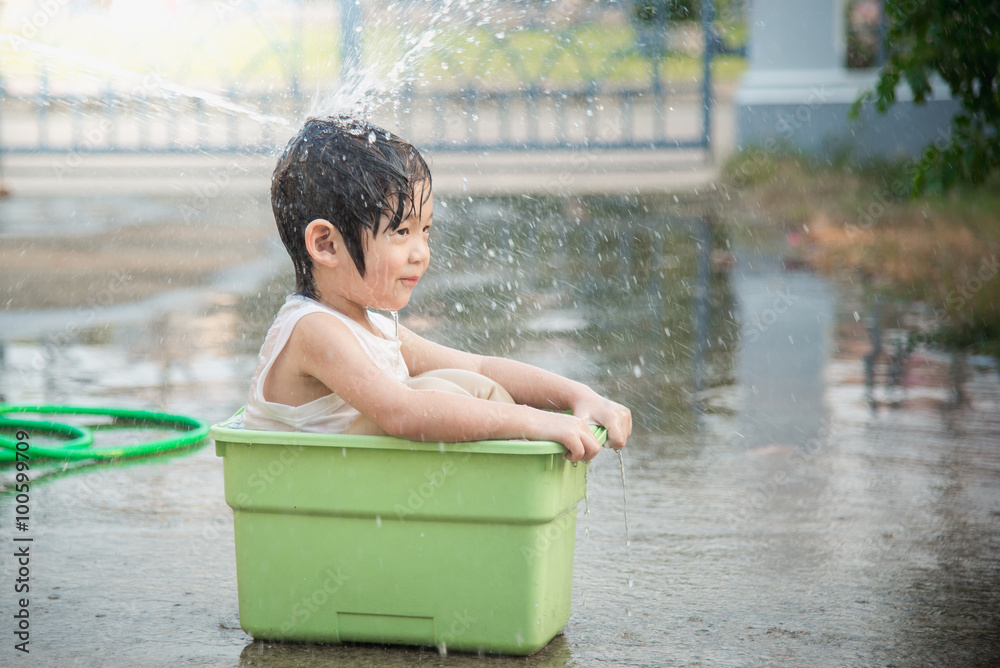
x,y
425,381
466,382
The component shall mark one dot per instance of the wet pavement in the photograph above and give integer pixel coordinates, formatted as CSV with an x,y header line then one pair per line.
x,y
777,516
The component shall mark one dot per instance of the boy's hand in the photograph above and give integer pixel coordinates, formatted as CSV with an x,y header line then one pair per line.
x,y
614,417
574,434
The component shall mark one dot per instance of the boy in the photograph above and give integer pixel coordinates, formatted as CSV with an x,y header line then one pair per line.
x,y
354,208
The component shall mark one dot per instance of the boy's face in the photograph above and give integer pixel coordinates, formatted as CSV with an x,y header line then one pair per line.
x,y
395,260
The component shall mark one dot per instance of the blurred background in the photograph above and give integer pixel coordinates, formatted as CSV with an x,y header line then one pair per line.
x,y
768,228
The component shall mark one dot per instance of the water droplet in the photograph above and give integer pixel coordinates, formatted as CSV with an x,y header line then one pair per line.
x,y
371,137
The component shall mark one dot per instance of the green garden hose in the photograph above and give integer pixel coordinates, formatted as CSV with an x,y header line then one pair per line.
x,y
79,437
194,431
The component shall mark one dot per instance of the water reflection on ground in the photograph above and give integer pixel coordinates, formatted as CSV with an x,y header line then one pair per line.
x,y
775,517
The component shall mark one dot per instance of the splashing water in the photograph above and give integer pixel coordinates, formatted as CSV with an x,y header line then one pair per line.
x,y
628,540
395,62
150,84
397,38
362,91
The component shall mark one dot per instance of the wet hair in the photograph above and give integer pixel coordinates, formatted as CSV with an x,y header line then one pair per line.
x,y
351,173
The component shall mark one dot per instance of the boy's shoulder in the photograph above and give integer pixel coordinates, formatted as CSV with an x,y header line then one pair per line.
x,y
299,308
324,336
311,330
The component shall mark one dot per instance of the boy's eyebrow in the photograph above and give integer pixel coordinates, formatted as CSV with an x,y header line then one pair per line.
x,y
413,208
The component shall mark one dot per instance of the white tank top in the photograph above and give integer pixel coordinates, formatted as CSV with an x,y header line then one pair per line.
x,y
329,414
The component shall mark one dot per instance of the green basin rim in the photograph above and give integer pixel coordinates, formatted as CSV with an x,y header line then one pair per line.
x,y
226,434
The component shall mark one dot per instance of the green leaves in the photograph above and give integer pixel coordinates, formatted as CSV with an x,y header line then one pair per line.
x,y
959,42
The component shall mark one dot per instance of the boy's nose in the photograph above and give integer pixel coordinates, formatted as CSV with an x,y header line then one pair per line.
x,y
420,251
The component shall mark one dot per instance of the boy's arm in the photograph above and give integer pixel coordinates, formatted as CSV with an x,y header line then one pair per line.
x,y
526,384
325,349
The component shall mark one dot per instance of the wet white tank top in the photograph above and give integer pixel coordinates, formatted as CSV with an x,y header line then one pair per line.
x,y
329,414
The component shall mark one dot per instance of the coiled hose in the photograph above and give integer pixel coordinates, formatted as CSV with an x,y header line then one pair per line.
x,y
80,445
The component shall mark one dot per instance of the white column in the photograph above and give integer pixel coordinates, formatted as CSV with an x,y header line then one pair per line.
x,y
807,34
797,91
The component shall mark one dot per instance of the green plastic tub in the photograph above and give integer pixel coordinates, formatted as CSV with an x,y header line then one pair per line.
x,y
462,546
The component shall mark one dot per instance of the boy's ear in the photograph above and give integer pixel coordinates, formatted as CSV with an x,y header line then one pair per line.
x,y
324,243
